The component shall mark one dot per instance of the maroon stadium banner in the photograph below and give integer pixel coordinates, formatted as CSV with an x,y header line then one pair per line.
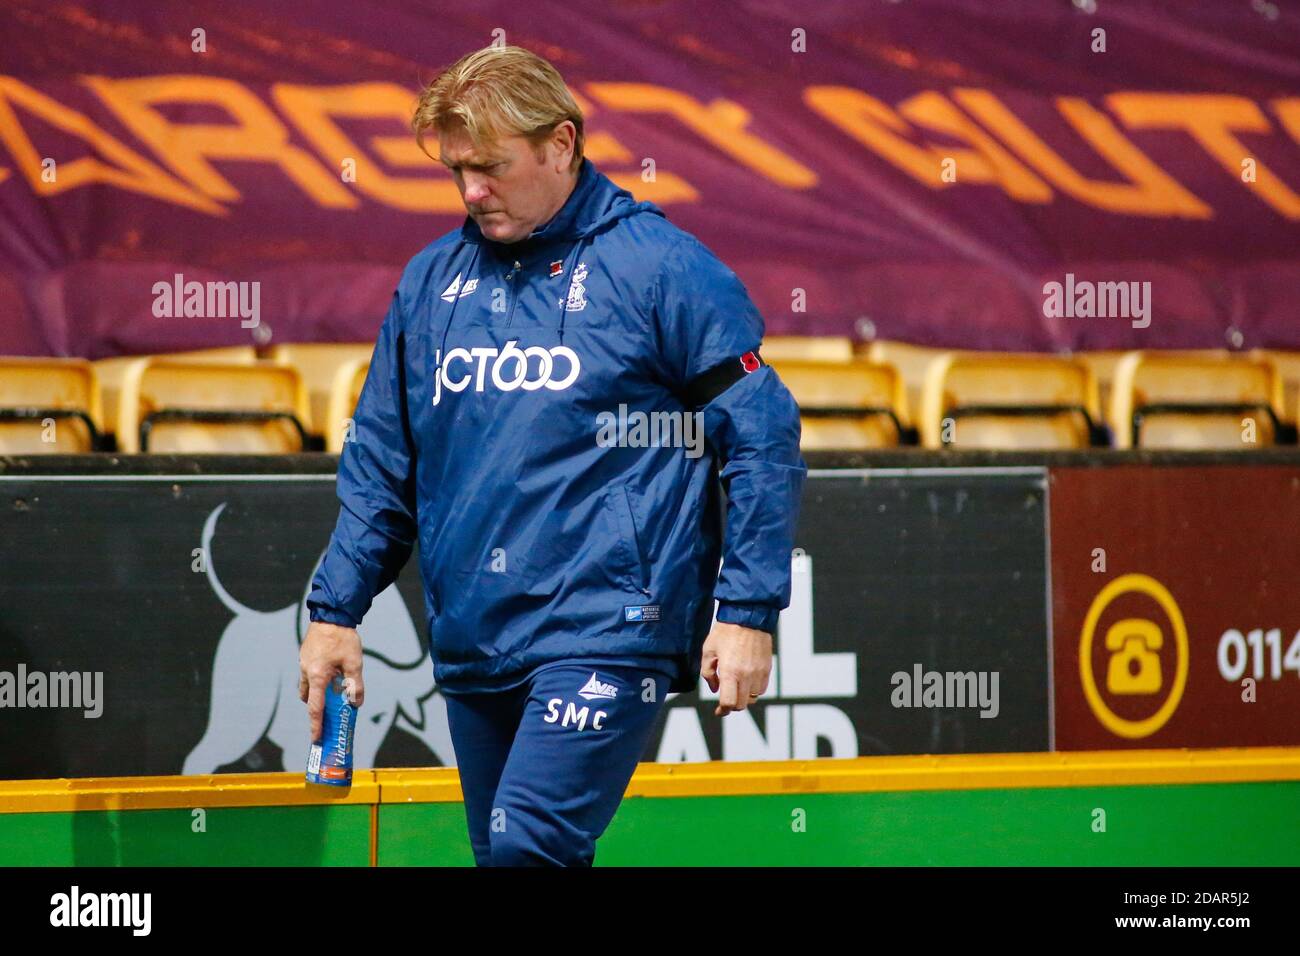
x,y
1175,610
1018,175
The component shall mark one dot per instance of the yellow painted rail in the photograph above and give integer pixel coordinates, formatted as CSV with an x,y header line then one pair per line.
x,y
860,774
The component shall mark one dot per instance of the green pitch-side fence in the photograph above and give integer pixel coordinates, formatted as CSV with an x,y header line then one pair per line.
x,y
1126,808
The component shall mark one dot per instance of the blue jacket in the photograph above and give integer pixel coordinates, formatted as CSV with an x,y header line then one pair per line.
x,y
512,424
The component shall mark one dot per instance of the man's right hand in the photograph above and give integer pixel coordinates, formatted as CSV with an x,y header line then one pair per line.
x,y
328,649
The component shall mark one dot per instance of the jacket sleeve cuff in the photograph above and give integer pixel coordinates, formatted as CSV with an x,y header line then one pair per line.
x,y
328,615
760,617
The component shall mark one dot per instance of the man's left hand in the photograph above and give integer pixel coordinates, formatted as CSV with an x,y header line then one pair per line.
x,y
736,665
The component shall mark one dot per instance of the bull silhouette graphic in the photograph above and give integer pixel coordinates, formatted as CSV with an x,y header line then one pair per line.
x,y
255,681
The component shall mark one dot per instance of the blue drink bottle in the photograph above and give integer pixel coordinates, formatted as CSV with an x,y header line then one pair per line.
x,y
329,761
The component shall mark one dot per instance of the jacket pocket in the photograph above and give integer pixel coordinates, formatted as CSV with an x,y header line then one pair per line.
x,y
620,501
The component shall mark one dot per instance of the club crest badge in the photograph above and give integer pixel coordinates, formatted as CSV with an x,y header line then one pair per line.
x,y
577,291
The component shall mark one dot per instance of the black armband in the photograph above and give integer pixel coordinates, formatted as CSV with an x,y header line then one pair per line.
x,y
707,386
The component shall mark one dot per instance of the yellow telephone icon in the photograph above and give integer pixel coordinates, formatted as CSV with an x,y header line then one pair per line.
x,y
1134,664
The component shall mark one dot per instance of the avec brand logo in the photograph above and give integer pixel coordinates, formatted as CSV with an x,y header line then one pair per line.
x,y
507,369
596,688
449,294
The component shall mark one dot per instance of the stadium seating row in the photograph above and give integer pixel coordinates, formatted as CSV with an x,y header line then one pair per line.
x,y
215,400
300,397
1206,399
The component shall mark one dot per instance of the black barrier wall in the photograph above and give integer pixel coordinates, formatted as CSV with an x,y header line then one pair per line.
x,y
153,622
917,624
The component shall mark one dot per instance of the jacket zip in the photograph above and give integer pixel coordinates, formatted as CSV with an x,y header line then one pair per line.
x,y
514,293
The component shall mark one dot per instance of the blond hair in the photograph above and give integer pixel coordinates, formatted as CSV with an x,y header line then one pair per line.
x,y
496,92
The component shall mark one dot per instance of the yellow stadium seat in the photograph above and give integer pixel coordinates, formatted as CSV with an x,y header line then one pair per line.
x,y
846,406
1008,401
112,371
318,363
1102,365
810,348
1288,368
910,360
176,407
349,378
222,355
48,406
1173,400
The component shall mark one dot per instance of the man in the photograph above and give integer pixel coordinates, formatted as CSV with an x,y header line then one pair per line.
x,y
570,559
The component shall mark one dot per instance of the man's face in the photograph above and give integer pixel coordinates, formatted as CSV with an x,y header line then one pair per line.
x,y
506,188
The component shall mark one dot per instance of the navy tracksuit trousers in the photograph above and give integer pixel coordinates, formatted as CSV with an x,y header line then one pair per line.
x,y
544,764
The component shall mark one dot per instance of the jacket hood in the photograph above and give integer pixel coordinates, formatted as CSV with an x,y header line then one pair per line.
x,y
594,204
